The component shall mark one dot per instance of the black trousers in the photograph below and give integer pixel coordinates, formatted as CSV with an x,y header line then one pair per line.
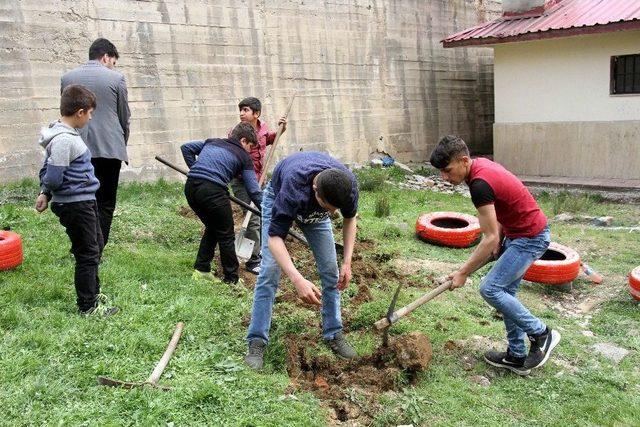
x,y
211,203
80,220
108,173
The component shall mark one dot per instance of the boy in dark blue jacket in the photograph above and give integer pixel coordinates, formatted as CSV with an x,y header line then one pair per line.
x,y
304,188
212,165
68,180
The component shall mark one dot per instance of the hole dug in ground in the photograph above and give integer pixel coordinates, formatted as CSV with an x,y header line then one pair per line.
x,y
351,388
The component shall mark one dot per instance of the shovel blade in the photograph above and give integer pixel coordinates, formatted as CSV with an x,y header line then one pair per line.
x,y
244,246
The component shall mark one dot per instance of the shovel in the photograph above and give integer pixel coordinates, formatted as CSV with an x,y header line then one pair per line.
x,y
244,246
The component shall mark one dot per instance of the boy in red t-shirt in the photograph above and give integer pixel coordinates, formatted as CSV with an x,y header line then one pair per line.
x,y
250,109
516,233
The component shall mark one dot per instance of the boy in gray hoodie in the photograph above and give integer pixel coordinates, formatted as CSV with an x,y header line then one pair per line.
x,y
68,181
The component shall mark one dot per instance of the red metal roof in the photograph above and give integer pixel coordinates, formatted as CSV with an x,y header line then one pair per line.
x,y
566,18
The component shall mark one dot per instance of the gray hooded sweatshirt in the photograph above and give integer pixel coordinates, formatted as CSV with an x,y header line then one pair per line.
x,y
67,174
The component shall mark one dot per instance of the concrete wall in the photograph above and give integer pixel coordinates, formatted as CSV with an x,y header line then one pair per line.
x,y
554,114
370,74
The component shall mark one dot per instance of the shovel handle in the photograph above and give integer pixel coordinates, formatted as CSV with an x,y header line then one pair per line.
x,y
402,312
272,150
157,372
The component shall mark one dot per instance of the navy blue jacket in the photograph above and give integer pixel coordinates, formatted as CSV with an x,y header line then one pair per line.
x,y
219,161
292,184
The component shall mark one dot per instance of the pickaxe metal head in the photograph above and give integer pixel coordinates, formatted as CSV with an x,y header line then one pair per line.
x,y
392,306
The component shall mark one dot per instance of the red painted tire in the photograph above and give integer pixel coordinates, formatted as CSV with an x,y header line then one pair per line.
x,y
634,283
453,229
10,250
559,264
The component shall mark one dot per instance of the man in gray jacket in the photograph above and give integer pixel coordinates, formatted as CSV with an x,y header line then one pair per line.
x,y
108,132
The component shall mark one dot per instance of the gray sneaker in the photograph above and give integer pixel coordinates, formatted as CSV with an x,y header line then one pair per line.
x,y
255,356
341,347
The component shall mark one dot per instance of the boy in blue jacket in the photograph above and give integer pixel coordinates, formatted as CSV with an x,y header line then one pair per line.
x,y
67,180
212,165
304,188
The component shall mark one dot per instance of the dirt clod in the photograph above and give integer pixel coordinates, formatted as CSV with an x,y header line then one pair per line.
x,y
413,351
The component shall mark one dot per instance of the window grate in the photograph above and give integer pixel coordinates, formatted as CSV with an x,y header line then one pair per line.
x,y
625,74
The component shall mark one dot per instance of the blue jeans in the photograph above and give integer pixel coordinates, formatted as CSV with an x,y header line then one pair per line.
x,y
320,238
499,288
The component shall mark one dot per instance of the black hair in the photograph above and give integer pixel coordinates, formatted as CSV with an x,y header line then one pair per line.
x,y
101,46
74,98
246,131
253,103
334,187
449,148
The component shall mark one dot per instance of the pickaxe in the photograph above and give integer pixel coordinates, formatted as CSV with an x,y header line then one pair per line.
x,y
393,316
157,372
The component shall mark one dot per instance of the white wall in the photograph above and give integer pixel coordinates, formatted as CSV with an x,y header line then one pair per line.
x,y
563,80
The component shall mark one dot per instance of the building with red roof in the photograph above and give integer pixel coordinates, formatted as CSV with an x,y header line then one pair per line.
x,y
567,88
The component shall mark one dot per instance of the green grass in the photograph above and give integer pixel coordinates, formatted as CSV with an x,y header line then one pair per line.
x,y
50,357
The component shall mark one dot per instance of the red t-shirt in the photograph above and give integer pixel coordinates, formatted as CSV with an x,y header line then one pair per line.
x,y
516,209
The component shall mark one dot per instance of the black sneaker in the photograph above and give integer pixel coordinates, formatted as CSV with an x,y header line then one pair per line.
x,y
504,359
253,268
541,347
99,311
341,347
255,355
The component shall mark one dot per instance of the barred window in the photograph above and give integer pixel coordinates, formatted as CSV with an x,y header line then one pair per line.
x,y
625,74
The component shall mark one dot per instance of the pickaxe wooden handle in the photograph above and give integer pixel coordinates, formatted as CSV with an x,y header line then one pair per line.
x,y
404,311
159,369
445,284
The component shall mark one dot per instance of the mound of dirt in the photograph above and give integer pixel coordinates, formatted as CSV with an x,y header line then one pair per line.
x,y
413,351
351,388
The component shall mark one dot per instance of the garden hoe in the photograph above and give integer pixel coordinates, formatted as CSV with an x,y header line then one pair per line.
x,y
244,246
157,372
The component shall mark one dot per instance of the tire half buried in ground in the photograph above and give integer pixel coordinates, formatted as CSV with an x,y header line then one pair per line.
x,y
10,250
452,229
634,283
559,264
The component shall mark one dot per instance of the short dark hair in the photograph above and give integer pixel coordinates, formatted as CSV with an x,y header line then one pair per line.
x,y
101,46
246,131
251,102
449,148
334,187
74,98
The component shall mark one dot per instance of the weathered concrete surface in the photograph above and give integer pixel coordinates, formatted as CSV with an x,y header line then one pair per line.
x,y
370,74
601,150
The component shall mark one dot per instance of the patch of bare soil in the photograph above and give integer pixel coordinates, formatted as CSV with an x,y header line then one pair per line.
x,y
351,388
187,212
430,268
